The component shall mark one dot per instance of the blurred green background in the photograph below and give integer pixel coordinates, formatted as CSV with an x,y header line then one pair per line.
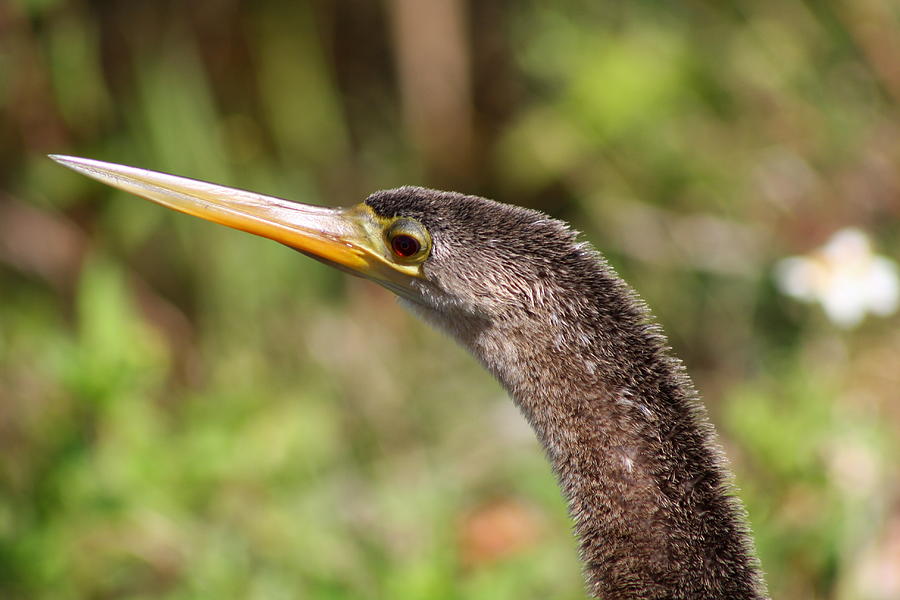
x,y
191,412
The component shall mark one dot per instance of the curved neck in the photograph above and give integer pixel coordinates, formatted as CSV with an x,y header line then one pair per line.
x,y
630,446
636,461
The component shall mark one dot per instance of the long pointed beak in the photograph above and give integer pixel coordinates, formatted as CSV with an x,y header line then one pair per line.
x,y
338,236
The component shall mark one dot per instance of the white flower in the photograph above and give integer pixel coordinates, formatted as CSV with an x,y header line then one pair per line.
x,y
845,277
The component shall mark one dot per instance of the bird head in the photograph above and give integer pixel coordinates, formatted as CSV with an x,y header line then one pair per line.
x,y
444,253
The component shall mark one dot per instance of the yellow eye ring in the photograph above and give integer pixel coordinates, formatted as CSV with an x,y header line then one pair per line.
x,y
408,241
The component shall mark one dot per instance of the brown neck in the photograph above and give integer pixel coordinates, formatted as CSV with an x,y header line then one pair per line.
x,y
634,456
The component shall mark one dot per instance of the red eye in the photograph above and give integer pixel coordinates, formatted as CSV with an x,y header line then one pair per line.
x,y
405,245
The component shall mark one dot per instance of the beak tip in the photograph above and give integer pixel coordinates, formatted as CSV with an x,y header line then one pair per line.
x,y
86,166
66,161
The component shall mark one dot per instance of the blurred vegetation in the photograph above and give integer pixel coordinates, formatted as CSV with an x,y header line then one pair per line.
x,y
189,412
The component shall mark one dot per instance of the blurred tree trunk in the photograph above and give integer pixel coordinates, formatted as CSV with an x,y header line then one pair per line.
x,y
431,47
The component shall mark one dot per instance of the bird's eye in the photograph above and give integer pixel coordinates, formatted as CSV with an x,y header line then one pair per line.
x,y
405,245
408,241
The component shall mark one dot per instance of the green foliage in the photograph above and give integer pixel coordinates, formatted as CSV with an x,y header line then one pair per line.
x,y
188,412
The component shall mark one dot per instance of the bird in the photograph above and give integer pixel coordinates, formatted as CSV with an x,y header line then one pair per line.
x,y
647,486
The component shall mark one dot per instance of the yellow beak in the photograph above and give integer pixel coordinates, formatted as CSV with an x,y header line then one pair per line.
x,y
347,238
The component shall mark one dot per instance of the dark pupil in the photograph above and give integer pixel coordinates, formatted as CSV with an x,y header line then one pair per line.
x,y
405,245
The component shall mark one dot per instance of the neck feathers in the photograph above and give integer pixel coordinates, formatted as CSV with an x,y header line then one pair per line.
x,y
629,441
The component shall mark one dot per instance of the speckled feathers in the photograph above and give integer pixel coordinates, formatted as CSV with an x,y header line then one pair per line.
x,y
619,419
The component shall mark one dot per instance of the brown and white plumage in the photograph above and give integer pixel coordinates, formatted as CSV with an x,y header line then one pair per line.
x,y
618,417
